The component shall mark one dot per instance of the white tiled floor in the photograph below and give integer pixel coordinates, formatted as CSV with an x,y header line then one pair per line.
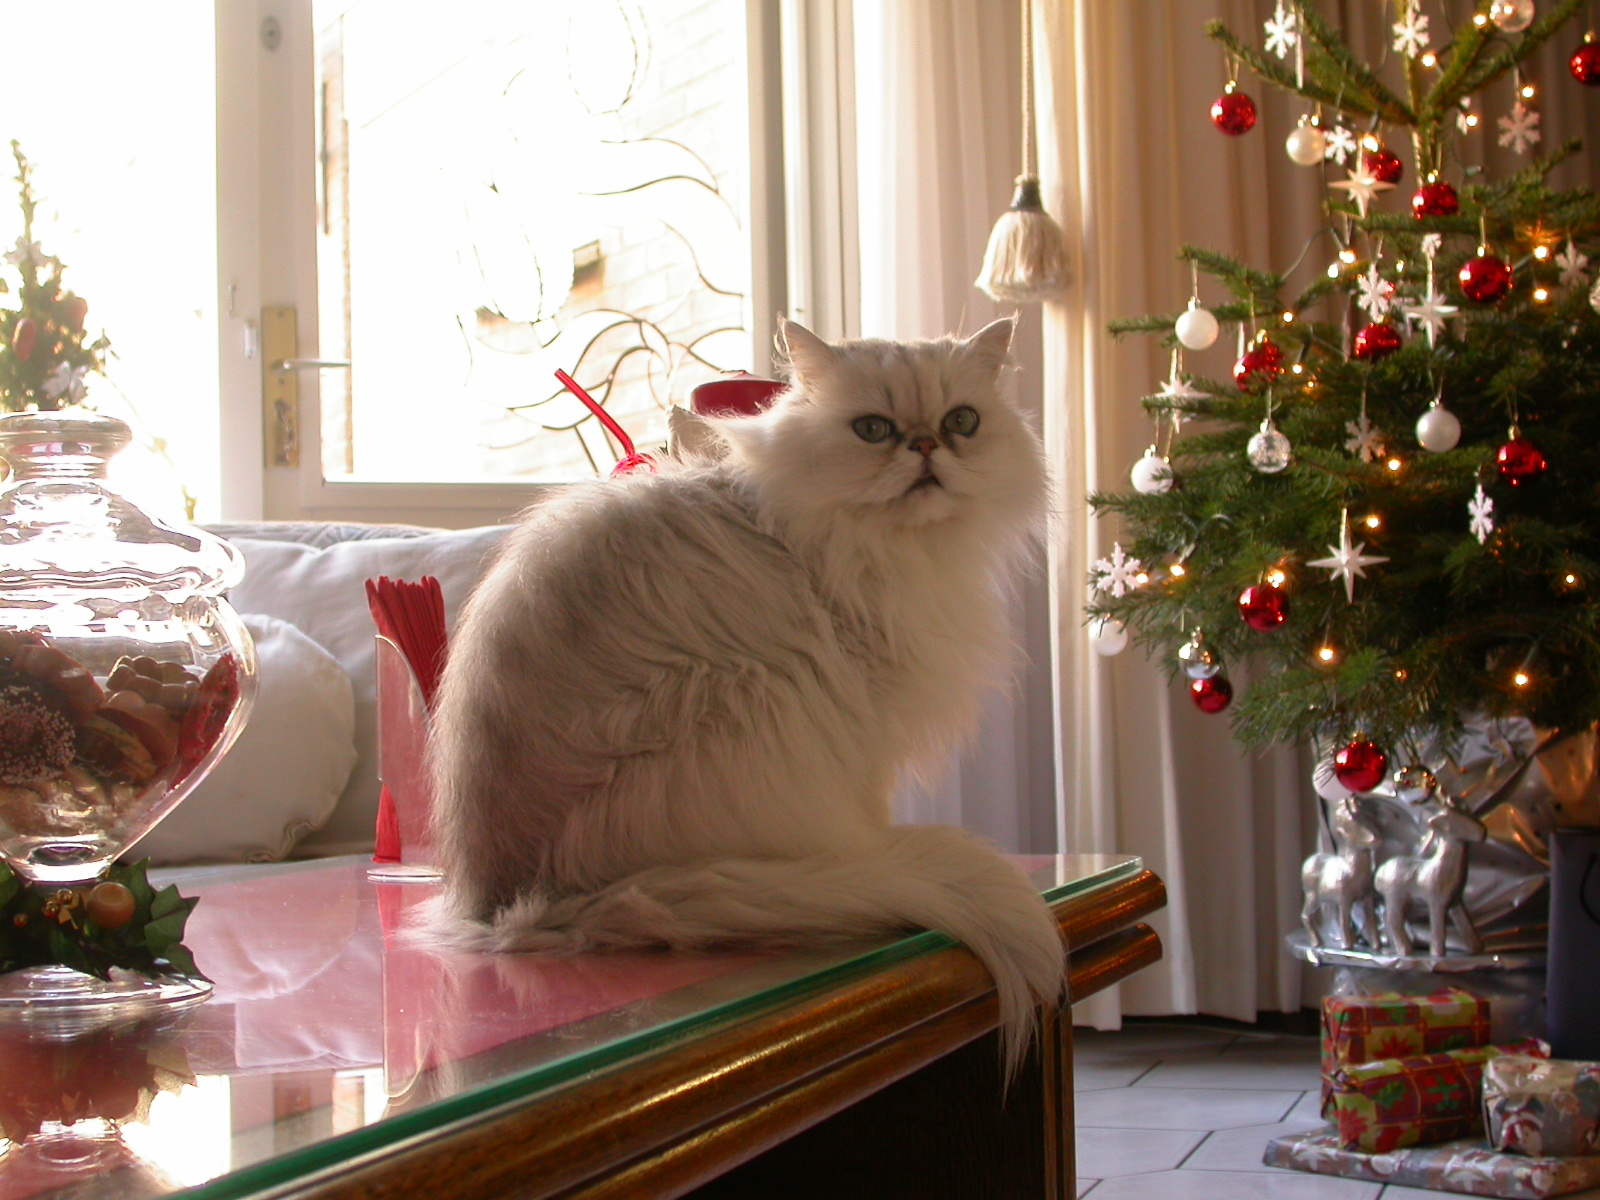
x,y
1183,1112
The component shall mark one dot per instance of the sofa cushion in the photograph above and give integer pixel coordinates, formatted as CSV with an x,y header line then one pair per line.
x,y
322,591
259,800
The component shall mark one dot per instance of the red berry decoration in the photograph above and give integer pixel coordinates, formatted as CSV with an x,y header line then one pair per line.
x,y
1519,461
1260,364
1211,694
1435,200
1360,766
1233,112
1585,64
1263,607
1383,165
1485,278
1375,342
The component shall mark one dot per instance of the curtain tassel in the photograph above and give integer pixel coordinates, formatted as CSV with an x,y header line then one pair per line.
x,y
1027,255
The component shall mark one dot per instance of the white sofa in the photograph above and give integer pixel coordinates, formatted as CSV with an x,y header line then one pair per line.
x,y
302,779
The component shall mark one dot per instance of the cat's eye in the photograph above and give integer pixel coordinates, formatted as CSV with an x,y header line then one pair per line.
x,y
962,420
874,429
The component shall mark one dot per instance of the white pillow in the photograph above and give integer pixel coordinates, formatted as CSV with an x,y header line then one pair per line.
x,y
284,775
322,591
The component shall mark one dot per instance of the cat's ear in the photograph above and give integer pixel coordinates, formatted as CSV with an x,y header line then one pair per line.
x,y
808,354
991,346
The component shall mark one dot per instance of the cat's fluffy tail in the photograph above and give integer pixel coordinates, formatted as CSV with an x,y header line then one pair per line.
x,y
936,877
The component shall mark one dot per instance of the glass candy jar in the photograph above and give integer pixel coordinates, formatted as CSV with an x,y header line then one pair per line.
x,y
124,674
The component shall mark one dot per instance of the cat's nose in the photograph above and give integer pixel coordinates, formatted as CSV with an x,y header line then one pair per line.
x,y
922,444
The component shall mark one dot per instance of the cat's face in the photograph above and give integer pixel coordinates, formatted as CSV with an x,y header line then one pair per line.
x,y
907,433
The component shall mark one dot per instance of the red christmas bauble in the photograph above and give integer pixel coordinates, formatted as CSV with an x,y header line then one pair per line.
x,y
1519,461
1233,113
1261,363
1360,766
1211,694
1585,63
23,336
1375,342
1383,166
1435,200
1263,607
1485,278
75,309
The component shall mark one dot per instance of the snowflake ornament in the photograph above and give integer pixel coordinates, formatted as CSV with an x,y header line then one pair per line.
x,y
66,382
1281,33
31,253
1377,293
1365,440
1481,509
1520,129
1341,144
1431,242
1411,33
1574,266
1118,574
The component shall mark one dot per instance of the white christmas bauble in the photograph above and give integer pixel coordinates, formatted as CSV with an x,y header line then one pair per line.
x,y
1268,450
1109,637
1438,430
1306,145
1325,783
1594,296
1512,16
1151,475
1197,329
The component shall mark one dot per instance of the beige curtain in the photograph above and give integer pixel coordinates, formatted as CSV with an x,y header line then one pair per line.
x,y
1133,167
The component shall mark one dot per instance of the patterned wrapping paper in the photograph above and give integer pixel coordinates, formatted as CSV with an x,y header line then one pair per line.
x,y
1361,1029
1398,1102
1541,1107
1462,1166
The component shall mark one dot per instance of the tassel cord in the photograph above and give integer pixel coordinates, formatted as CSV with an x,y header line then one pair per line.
x,y
1027,89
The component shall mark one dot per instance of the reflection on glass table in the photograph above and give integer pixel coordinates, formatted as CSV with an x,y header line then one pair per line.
x,y
332,1035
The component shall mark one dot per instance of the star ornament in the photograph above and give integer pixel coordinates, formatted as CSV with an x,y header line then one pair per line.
x,y
1361,187
1430,312
1347,560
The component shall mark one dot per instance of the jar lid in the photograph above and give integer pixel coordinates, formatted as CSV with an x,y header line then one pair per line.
x,y
65,535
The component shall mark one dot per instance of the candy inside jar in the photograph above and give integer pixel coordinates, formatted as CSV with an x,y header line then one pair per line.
x,y
124,673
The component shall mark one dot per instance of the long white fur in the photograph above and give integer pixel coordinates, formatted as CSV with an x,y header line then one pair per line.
x,y
677,706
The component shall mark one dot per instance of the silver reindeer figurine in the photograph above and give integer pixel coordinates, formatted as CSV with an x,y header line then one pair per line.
x,y
1342,878
1434,876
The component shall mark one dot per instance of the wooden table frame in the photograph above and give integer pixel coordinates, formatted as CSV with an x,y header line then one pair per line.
x,y
787,1081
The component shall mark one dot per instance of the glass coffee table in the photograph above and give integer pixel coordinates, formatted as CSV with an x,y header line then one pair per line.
x,y
338,1059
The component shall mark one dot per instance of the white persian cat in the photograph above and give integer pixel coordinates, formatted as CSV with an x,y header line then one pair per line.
x,y
678,704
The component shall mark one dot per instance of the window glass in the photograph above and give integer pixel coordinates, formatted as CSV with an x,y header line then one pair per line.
x,y
508,188
114,105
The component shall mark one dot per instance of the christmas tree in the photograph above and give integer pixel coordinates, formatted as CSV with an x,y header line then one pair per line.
x,y
44,351
1393,506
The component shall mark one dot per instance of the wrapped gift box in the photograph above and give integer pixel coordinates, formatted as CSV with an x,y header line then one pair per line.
x,y
1397,1102
1542,1107
1462,1166
1362,1029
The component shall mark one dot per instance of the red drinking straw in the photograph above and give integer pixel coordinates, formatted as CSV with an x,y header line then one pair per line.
x,y
631,460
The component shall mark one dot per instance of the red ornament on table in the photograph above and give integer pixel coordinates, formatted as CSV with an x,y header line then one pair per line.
x,y
1585,62
1264,607
1383,165
1376,341
1485,278
1360,766
1233,112
1211,694
1435,200
1261,363
1519,461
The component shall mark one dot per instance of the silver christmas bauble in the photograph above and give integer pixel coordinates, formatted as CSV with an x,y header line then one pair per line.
x,y
1325,783
1197,658
1306,145
1414,784
1438,430
1511,16
1108,637
1196,328
1151,475
1268,450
